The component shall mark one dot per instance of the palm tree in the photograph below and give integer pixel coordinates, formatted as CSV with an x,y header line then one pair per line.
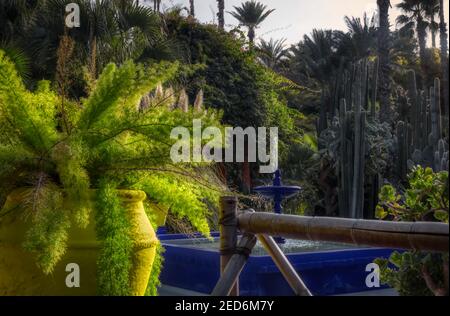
x,y
404,46
272,53
444,56
191,8
117,29
221,13
16,16
319,53
96,28
251,14
360,40
416,15
383,60
315,62
432,9
157,5
134,27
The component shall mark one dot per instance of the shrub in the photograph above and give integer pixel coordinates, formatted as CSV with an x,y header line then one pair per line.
x,y
426,199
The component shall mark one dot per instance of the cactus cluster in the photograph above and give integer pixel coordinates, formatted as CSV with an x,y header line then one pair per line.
x,y
421,129
362,75
348,138
364,149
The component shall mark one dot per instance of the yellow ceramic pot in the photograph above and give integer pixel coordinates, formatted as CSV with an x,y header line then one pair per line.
x,y
159,214
19,274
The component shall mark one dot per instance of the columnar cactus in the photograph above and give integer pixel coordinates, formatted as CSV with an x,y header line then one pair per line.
x,y
351,163
441,156
420,136
348,139
374,85
403,148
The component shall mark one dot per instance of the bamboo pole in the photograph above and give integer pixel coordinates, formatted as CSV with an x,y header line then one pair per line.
x,y
228,235
284,266
235,266
425,236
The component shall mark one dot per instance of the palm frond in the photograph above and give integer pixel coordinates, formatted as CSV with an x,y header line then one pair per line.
x,y
272,52
251,13
19,57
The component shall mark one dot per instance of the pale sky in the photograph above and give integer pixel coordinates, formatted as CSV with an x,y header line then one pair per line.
x,y
293,18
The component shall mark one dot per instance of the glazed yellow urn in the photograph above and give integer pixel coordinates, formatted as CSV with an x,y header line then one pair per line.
x,y
19,274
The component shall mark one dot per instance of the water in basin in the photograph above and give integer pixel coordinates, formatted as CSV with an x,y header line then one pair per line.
x,y
291,246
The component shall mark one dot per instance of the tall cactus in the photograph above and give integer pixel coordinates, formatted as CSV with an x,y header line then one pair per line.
x,y
441,156
403,149
420,135
374,86
344,172
351,163
352,105
435,112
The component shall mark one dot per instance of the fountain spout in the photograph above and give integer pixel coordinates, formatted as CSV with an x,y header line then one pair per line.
x,y
277,192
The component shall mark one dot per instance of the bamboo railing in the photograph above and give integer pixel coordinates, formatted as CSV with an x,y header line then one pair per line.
x,y
424,236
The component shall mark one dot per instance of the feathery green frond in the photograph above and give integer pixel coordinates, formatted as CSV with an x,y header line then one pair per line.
x,y
114,260
48,234
30,114
185,198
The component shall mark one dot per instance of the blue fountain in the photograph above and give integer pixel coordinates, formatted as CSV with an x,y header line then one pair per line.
x,y
277,192
193,264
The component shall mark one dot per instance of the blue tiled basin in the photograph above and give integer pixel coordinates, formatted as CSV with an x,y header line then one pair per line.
x,y
327,268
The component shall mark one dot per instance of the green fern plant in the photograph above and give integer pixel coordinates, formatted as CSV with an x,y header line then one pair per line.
x,y
62,150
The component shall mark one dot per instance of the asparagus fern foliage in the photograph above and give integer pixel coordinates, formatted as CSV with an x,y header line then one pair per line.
x,y
61,149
